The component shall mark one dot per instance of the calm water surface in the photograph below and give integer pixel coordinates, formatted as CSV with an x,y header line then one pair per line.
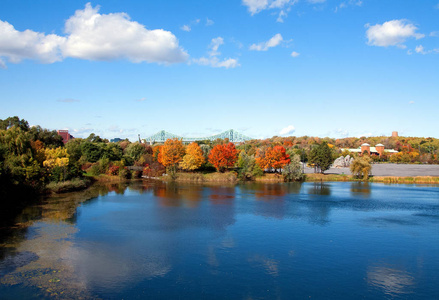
x,y
151,240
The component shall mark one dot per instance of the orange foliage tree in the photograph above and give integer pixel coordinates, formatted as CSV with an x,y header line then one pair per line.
x,y
171,153
223,156
193,159
156,153
275,157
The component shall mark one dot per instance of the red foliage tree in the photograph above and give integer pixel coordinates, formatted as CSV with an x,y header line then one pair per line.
x,y
223,156
275,158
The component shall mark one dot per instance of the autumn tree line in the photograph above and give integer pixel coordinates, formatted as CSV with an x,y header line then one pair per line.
x,y
33,158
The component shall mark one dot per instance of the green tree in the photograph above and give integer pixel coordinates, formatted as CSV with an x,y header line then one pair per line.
x,y
14,121
248,168
91,151
293,171
321,156
135,150
50,138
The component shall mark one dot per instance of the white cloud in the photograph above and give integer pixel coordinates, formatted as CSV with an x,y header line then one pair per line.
x,y
213,59
141,99
316,1
391,33
281,16
264,46
434,34
256,6
209,22
295,54
281,3
216,63
16,45
92,36
348,3
186,28
287,130
411,102
123,39
420,49
214,45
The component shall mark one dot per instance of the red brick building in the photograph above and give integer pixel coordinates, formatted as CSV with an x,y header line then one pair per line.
x,y
65,135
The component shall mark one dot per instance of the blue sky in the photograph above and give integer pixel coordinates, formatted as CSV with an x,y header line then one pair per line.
x,y
333,68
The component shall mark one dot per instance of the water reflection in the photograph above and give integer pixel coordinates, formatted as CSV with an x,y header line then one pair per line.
x,y
362,189
319,188
390,279
120,237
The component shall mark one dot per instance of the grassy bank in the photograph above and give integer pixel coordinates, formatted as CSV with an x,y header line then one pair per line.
x,y
108,178
394,179
227,177
69,185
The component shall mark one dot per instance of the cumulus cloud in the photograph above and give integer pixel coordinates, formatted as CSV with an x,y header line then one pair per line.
x,y
95,36
391,33
295,54
287,130
92,36
213,59
16,45
264,46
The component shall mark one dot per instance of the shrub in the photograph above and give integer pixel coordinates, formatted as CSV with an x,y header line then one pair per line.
x,y
293,171
113,170
124,173
361,167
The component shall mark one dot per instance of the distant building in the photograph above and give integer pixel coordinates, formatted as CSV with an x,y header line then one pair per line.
x,y
394,133
377,150
65,135
116,140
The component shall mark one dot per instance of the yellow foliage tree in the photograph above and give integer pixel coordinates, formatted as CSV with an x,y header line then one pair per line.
x,y
193,159
361,167
57,157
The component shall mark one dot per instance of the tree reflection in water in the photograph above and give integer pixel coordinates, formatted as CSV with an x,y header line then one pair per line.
x,y
149,234
362,189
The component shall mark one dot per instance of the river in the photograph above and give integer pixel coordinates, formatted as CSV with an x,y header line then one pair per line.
x,y
154,240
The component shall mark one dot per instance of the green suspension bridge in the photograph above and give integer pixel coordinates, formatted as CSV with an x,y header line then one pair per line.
x,y
232,135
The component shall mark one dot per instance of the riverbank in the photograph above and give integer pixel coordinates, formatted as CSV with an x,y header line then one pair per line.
x,y
406,174
231,177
